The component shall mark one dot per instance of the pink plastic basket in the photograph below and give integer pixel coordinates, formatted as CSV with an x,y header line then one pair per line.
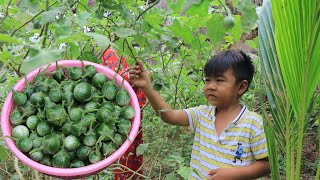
x,y
70,172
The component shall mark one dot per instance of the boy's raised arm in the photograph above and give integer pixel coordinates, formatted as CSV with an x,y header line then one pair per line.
x,y
141,78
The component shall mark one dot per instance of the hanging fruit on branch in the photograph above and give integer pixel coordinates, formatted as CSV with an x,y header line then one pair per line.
x,y
229,22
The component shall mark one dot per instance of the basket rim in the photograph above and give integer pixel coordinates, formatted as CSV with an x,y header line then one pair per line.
x,y
70,172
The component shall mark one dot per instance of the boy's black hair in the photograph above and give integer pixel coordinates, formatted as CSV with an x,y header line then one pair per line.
x,y
236,60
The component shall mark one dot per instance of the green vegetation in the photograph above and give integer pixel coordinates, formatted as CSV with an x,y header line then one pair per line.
x,y
174,42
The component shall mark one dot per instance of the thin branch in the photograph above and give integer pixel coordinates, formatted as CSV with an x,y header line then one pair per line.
x,y
174,52
6,13
149,7
46,26
9,64
128,169
16,167
14,31
158,153
226,9
176,85
135,59
83,6
6,172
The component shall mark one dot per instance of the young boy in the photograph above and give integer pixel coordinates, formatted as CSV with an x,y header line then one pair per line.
x,y
229,141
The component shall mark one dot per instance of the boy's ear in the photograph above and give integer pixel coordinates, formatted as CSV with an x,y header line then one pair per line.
x,y
243,86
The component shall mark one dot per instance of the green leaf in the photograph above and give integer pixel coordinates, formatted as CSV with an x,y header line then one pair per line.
x,y
196,171
141,149
236,31
62,27
188,3
5,56
249,17
42,57
3,154
124,32
200,9
74,50
89,56
175,6
32,6
49,16
72,38
141,40
125,13
215,28
6,38
154,19
184,172
82,18
170,176
102,40
182,31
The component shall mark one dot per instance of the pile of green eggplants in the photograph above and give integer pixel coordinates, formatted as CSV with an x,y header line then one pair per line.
x,y
71,117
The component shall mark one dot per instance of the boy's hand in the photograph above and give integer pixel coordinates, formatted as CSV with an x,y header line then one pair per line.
x,y
222,173
139,77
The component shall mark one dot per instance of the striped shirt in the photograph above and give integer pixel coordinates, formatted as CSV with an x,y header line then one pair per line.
x,y
240,144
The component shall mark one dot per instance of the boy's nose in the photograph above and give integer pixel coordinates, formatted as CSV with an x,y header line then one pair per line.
x,y
213,86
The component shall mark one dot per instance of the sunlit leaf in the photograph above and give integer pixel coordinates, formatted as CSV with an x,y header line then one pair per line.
x,y
290,50
200,9
184,172
175,6
215,28
3,154
182,31
8,39
236,31
5,55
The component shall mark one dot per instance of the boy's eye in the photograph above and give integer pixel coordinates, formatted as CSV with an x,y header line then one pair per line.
x,y
207,79
220,80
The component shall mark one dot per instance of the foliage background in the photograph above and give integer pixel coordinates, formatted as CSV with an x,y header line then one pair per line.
x,y
174,39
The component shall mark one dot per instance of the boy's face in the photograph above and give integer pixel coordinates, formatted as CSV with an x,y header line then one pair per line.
x,y
222,90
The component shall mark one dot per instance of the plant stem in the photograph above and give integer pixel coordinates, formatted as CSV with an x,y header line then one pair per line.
x,y
46,26
149,7
6,172
134,57
300,141
160,148
128,169
227,9
16,167
36,174
14,31
176,85
288,149
6,13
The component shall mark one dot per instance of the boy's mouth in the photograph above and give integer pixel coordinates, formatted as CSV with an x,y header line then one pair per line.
x,y
212,96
